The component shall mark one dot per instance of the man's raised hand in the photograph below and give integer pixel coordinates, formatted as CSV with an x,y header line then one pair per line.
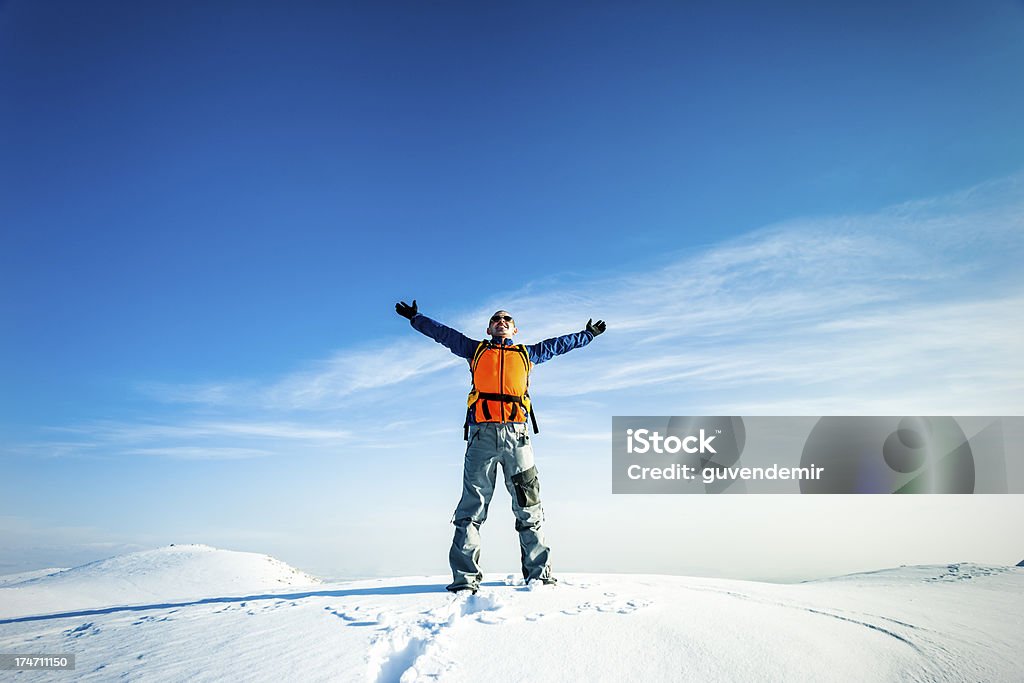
x,y
592,327
405,310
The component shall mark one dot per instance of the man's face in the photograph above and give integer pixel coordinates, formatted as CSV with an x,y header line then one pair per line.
x,y
502,325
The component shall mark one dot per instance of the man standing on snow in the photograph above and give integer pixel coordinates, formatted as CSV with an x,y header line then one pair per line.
x,y
496,432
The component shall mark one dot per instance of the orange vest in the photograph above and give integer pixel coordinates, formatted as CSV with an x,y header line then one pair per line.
x,y
501,379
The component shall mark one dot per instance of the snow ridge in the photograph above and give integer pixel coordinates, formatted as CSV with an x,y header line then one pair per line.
x,y
954,622
170,574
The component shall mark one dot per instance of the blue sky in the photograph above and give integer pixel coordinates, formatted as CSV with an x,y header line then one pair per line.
x,y
208,210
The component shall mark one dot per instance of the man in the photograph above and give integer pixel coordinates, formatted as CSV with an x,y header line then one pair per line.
x,y
496,432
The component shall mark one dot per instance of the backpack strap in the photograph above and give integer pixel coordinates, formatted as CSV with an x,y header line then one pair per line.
x,y
527,403
474,395
480,348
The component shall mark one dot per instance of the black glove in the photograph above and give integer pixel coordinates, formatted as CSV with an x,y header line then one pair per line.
x,y
592,327
405,310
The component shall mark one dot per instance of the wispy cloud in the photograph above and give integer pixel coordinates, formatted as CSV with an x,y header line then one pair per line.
x,y
907,302
200,453
323,385
916,308
188,438
360,371
202,394
137,432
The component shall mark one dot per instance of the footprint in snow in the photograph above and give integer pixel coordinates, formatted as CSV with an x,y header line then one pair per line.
x,y
86,629
490,618
482,602
632,606
344,616
612,607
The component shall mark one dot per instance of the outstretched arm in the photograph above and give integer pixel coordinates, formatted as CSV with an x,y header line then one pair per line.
x,y
453,340
556,346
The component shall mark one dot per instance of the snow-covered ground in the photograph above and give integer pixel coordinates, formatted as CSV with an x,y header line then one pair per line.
x,y
197,613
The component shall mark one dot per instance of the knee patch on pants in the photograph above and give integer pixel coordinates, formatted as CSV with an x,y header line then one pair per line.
x,y
527,487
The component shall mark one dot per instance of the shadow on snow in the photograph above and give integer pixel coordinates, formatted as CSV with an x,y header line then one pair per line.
x,y
382,590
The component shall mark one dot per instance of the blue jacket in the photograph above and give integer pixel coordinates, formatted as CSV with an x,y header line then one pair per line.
x,y
464,347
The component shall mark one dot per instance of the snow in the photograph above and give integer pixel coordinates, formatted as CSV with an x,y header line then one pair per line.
x,y
25,576
176,572
198,613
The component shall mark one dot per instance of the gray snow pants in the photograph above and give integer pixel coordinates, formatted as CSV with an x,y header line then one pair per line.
x,y
490,444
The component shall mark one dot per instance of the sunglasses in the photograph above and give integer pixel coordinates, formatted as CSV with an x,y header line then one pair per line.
x,y
499,318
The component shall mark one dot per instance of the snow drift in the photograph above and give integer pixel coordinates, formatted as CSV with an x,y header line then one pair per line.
x,y
175,572
193,612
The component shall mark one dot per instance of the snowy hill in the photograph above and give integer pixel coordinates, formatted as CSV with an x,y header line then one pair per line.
x,y
174,572
193,612
9,579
